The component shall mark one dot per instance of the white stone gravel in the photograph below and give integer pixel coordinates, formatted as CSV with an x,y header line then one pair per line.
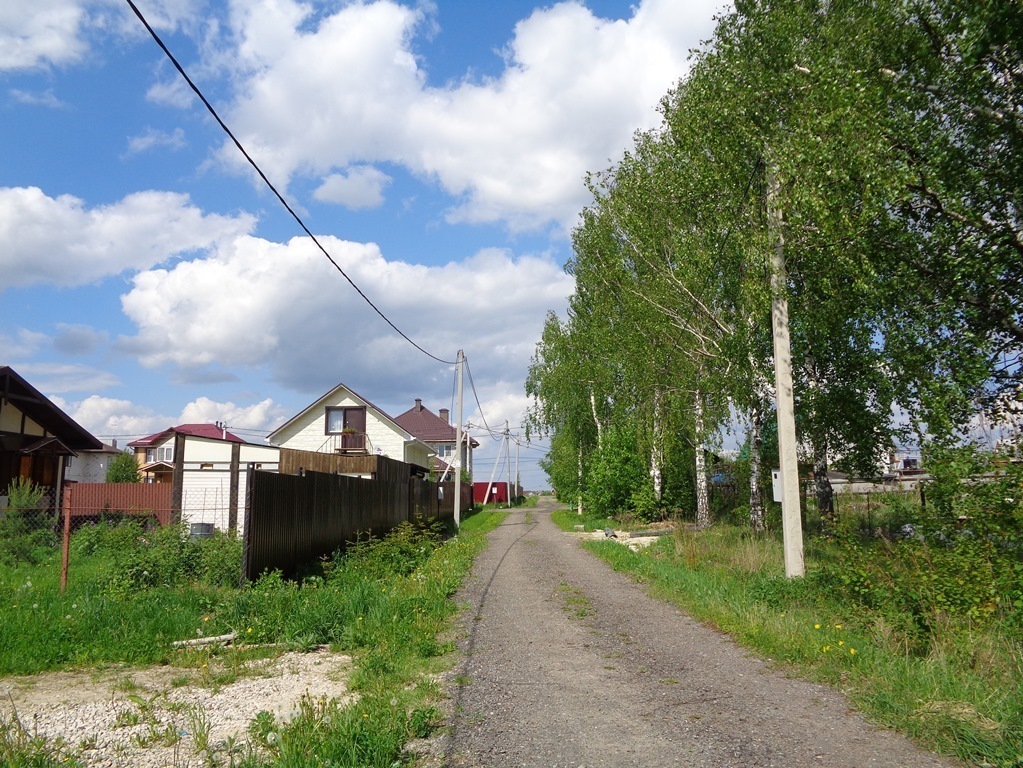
x,y
96,713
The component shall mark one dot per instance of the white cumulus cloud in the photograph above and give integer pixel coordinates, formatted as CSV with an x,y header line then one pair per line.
x,y
60,240
317,95
255,303
361,187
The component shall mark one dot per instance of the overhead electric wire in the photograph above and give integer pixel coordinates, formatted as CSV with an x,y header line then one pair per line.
x,y
472,385
273,189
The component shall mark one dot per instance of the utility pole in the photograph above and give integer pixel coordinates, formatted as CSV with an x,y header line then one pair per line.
x,y
507,460
517,489
458,446
792,519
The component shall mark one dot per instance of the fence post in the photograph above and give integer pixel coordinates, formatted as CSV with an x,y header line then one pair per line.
x,y
232,502
178,478
250,475
66,539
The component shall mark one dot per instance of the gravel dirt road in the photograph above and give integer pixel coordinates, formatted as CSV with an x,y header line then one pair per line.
x,y
566,663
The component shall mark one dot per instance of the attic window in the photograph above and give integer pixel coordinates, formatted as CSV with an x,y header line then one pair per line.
x,y
340,420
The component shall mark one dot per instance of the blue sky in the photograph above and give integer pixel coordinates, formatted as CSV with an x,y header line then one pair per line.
x,y
436,149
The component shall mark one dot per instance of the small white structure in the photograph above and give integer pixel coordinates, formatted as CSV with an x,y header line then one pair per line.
x,y
343,422
91,464
214,465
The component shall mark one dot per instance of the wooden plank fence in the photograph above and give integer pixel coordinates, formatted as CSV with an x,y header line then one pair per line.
x,y
294,462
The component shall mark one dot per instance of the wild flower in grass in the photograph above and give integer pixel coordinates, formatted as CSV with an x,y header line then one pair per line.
x,y
838,626
852,651
816,626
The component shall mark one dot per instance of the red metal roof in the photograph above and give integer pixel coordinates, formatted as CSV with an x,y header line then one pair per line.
x,y
210,431
423,423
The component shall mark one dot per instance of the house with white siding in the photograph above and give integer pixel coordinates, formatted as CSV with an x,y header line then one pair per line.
x,y
213,465
343,422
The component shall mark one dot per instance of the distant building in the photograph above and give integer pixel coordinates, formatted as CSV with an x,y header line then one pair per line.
x,y
437,432
344,422
213,464
91,464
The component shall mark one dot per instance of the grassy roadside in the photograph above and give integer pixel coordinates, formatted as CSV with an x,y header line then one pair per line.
x,y
957,688
385,602
566,519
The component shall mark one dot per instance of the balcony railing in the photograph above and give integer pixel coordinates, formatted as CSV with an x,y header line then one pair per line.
x,y
346,442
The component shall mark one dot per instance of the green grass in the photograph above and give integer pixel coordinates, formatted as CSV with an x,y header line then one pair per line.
x,y
566,520
958,690
386,603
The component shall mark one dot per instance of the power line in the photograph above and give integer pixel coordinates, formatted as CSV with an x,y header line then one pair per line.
x,y
472,385
273,189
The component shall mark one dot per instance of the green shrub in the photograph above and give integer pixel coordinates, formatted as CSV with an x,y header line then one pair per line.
x,y
615,475
124,469
27,525
399,553
167,557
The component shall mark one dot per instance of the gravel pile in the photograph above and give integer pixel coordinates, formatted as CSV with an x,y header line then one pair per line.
x,y
144,719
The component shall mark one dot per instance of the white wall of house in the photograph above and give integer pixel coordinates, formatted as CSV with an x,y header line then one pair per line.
x,y
383,437
206,481
89,466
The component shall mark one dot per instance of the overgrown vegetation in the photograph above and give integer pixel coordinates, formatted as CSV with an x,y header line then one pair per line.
x,y
915,611
124,469
135,591
26,524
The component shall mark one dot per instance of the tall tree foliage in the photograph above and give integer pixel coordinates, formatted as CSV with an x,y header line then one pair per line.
x,y
896,128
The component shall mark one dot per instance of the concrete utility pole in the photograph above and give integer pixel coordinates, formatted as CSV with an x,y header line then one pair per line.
x,y
507,460
458,447
792,519
517,489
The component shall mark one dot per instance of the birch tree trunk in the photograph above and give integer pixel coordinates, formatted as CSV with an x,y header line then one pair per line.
x,y
596,420
702,500
821,484
580,478
657,449
756,446
819,443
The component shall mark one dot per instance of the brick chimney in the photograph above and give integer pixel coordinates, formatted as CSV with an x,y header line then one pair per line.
x,y
419,404
444,414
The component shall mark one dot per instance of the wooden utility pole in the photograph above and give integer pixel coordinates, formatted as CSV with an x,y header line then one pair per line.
x,y
792,519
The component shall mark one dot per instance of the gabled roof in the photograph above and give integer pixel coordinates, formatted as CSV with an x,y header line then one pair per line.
x,y
318,403
208,431
428,426
30,401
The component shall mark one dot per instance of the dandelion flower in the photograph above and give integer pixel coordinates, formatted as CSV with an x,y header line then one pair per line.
x,y
816,626
838,626
841,642
852,651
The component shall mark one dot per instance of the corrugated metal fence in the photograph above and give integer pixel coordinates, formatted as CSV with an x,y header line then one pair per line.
x,y
291,520
93,500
